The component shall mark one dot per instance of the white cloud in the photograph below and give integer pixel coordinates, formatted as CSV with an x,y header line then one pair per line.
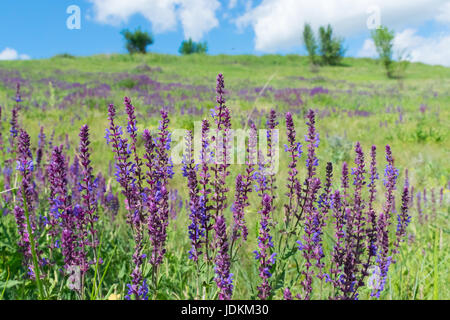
x,y
444,13
430,50
197,17
11,54
368,49
232,4
278,24
420,49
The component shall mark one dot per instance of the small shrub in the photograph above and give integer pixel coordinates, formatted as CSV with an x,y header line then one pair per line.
x,y
331,48
340,149
137,41
384,42
190,47
64,56
310,43
383,39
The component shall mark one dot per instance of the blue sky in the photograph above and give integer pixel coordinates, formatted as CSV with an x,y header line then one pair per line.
x,y
37,29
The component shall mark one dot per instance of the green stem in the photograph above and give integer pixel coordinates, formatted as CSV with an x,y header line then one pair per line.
x,y
197,297
435,263
4,288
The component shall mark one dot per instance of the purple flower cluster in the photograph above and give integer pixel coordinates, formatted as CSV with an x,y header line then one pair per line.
x,y
125,170
224,278
311,247
272,141
204,181
146,205
26,196
88,216
159,210
243,188
265,244
221,139
384,259
361,235
403,220
312,138
62,219
196,204
220,169
294,150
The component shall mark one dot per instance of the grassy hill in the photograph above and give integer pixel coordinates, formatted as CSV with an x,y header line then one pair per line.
x,y
78,90
354,102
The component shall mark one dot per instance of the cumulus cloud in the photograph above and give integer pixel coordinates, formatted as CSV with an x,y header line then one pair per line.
x,y
197,17
278,24
11,54
430,50
444,13
368,49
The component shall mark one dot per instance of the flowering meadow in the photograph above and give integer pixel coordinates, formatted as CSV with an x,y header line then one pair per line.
x,y
222,177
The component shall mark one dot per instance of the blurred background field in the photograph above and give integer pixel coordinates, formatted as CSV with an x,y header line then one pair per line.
x,y
354,102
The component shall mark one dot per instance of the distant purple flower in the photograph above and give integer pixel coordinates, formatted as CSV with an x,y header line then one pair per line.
x,y
317,90
403,220
419,208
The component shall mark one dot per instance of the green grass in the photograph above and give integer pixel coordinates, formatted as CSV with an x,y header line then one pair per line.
x,y
420,143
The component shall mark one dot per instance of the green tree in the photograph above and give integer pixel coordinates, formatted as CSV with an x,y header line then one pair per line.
x,y
383,39
331,47
310,42
137,41
189,47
